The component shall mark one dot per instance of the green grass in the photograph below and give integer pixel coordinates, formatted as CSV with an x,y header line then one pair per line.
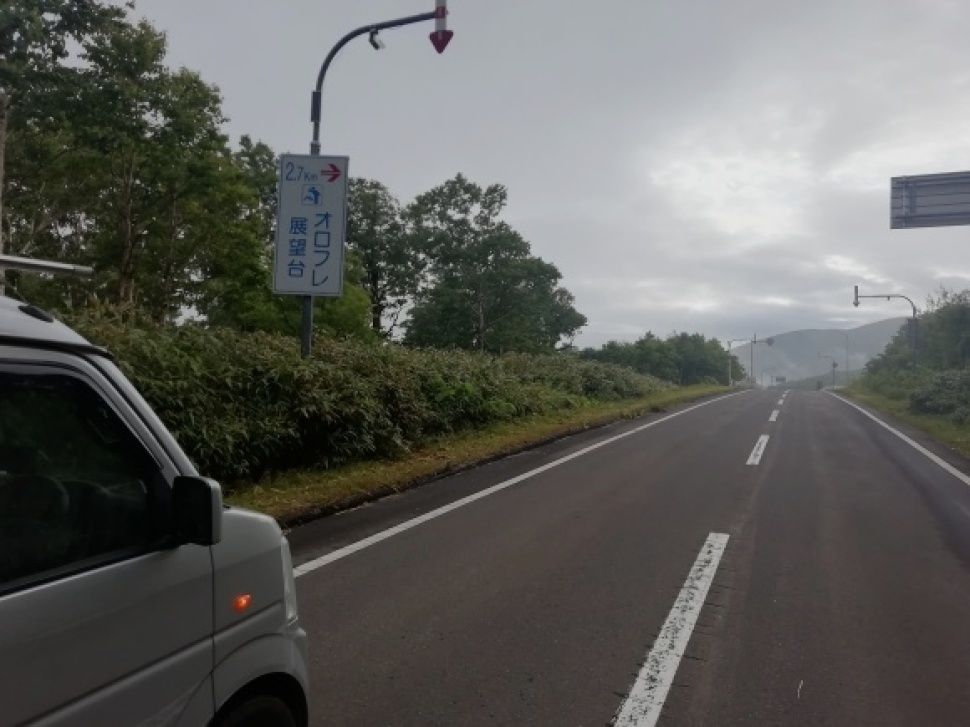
x,y
940,427
299,496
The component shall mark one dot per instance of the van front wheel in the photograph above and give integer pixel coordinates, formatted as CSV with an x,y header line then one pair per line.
x,y
259,711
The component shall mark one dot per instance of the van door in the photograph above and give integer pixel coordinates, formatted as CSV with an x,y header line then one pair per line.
x,y
101,620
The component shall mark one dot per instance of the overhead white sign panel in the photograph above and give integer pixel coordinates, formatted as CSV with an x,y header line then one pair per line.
x,y
311,225
930,200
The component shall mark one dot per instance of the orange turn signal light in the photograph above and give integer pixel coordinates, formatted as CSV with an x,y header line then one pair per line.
x,y
241,602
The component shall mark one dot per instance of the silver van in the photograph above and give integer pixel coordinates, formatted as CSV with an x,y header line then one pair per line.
x,y
129,594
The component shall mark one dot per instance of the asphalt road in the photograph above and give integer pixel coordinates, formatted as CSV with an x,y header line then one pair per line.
x,y
839,592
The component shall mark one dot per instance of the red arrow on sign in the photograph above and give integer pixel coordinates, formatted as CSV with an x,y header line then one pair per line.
x,y
441,38
331,173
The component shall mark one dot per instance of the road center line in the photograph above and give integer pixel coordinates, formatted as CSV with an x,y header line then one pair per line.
x,y
759,450
774,416
646,699
915,445
781,401
312,565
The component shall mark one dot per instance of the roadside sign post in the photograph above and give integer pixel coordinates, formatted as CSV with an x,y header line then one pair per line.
x,y
439,39
311,226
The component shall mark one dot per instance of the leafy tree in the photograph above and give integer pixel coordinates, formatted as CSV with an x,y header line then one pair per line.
x,y
942,338
43,174
391,268
483,289
944,331
124,167
682,358
259,164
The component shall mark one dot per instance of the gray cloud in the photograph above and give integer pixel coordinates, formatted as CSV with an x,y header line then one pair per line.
x,y
689,165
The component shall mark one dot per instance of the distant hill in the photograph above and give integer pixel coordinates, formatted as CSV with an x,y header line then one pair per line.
x,y
795,355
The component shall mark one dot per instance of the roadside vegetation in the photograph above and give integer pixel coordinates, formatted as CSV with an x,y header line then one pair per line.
x,y
684,358
245,405
928,388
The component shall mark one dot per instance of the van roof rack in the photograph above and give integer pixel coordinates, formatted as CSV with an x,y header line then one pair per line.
x,y
32,265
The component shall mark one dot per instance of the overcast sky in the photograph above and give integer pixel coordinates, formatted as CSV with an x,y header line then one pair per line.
x,y
689,165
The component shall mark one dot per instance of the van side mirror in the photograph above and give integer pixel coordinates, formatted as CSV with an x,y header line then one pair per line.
x,y
197,510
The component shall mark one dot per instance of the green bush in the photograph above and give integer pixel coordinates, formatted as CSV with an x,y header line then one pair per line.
x,y
243,405
895,384
944,393
961,416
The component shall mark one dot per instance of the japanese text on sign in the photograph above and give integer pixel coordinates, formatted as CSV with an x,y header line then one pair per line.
x,y
311,226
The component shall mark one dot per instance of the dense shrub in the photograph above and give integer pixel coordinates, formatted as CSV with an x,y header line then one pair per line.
x,y
947,392
896,385
243,405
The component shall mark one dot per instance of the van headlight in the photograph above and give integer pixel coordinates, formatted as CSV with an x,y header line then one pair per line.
x,y
289,582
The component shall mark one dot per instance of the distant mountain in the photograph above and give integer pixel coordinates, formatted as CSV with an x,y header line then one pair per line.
x,y
795,355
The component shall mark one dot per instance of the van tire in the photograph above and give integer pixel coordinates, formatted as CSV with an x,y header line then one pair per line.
x,y
261,710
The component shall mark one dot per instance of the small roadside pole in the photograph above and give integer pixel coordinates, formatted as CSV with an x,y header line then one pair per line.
x,y
311,225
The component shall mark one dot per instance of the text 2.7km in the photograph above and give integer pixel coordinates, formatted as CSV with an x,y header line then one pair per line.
x,y
298,173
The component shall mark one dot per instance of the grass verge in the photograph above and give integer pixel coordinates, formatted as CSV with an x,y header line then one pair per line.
x,y
299,496
941,428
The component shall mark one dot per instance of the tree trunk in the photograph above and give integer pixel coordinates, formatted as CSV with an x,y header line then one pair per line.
x,y
376,304
3,144
126,270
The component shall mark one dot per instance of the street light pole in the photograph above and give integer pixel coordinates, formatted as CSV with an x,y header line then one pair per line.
x,y
755,342
846,356
915,319
439,39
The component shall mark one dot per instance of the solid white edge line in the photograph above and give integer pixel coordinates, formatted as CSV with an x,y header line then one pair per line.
x,y
774,416
759,450
312,565
646,699
915,445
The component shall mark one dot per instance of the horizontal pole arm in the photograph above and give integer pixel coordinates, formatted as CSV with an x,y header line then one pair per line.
x,y
10,262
